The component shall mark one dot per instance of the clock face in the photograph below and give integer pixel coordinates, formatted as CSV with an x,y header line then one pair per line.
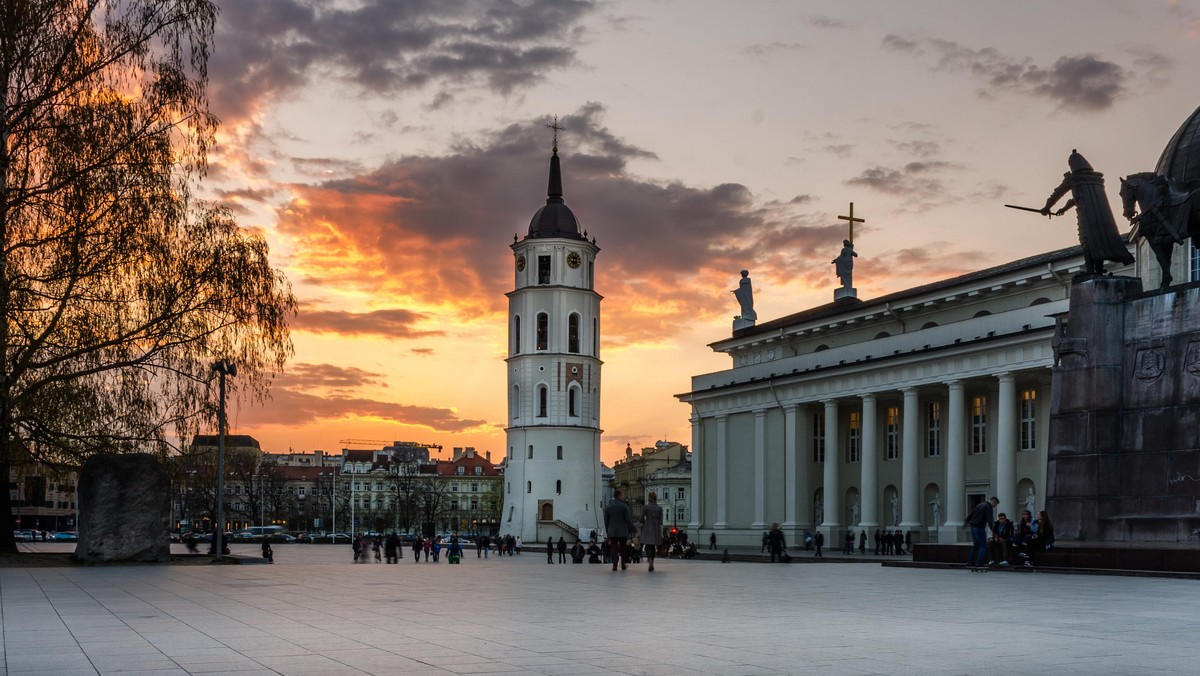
x,y
573,259
520,263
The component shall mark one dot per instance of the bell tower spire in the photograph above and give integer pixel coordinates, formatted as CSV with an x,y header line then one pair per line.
x,y
554,189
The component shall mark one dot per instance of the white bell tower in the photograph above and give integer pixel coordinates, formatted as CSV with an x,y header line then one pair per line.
x,y
552,469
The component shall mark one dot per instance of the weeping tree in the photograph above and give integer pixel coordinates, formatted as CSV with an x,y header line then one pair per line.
x,y
118,288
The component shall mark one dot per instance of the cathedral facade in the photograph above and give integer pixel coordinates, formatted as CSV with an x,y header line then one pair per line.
x,y
552,467
898,412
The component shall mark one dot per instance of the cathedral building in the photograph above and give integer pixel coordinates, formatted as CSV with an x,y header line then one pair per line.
x,y
901,412
552,466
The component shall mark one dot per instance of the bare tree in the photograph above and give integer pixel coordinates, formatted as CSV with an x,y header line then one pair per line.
x,y
117,288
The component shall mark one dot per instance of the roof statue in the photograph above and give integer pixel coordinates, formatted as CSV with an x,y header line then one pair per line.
x,y
1097,228
745,298
1162,205
845,260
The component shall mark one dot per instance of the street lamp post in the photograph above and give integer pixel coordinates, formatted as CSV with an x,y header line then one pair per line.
x,y
223,368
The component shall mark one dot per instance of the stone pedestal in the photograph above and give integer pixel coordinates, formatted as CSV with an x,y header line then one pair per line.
x,y
1124,457
845,292
124,509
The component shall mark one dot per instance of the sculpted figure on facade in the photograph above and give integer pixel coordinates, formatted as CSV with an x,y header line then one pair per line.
x,y
745,297
1097,228
936,504
844,264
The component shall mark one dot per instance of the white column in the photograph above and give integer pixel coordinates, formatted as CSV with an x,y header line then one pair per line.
x,y
832,504
955,501
869,490
722,473
793,473
910,451
699,458
760,470
1006,445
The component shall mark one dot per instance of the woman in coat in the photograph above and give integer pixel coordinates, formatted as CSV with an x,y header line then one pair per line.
x,y
651,535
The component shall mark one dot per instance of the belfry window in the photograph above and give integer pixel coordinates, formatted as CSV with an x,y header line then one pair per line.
x,y
573,334
543,331
572,398
516,346
542,396
543,269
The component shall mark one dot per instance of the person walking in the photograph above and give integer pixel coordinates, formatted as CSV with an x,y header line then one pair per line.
x,y
981,520
416,549
550,549
618,523
391,548
862,542
818,542
651,534
712,540
562,550
776,543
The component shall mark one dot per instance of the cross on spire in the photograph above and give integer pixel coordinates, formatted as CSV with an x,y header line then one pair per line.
x,y
556,129
852,221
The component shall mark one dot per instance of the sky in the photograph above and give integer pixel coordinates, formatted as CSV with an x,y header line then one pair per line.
x,y
390,150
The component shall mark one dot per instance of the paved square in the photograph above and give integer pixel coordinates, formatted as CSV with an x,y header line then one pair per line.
x,y
316,613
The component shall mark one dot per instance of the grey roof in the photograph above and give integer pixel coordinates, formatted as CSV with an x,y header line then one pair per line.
x,y
555,219
1181,158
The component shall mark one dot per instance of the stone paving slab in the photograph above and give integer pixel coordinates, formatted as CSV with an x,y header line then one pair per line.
x,y
314,612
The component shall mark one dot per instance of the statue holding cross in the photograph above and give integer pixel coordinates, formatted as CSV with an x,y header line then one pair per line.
x,y
844,263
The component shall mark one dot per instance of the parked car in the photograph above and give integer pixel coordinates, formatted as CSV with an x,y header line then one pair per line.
x,y
23,535
66,536
304,538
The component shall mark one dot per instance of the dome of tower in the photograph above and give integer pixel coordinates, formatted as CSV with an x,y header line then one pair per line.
x,y
555,219
1180,160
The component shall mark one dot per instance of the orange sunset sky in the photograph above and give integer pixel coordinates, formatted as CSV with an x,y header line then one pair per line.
x,y
389,151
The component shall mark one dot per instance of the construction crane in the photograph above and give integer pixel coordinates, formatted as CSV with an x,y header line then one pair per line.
x,y
374,443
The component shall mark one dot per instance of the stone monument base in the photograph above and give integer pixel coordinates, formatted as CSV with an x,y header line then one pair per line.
x,y
845,292
124,509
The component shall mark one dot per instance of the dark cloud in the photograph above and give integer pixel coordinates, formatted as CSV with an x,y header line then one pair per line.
x,y
841,150
436,229
919,148
395,323
801,199
1079,83
764,50
267,49
288,406
326,376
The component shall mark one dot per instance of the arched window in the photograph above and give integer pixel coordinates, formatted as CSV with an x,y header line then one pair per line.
x,y
573,333
882,334
560,452
981,313
542,396
572,406
543,331
516,346
558,487
515,403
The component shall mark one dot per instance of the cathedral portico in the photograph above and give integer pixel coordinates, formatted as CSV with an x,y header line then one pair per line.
x,y
827,423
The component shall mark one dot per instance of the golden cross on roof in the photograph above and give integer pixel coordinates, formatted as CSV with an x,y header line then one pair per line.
x,y
556,129
852,220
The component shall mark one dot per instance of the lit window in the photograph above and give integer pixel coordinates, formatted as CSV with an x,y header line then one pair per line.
x,y
854,442
1028,420
933,427
893,433
819,437
978,425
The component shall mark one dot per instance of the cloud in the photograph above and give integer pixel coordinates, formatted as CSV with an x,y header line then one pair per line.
x,y
821,21
801,199
269,49
294,408
765,50
919,148
392,323
432,233
311,376
841,150
1082,83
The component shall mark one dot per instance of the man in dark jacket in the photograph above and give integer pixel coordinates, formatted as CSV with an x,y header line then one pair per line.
x,y
819,541
618,523
981,519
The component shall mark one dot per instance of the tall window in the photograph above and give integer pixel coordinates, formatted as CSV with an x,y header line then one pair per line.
x,y
530,452
1028,420
543,331
528,486
854,445
516,346
978,425
558,487
542,396
515,404
560,452
933,429
543,269
572,396
819,437
893,432
1195,261
573,333
596,336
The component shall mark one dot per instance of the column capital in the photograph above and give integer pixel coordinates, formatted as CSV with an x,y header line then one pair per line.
x,y
956,384
760,413
1006,377
911,390
869,396
790,408
721,417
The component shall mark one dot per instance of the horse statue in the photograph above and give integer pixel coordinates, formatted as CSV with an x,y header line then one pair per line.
x,y
1164,211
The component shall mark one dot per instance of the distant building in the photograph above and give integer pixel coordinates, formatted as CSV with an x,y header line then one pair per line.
x,y
673,485
631,472
43,499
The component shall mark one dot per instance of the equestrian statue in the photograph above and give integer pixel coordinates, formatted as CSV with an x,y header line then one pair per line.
x,y
1163,210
